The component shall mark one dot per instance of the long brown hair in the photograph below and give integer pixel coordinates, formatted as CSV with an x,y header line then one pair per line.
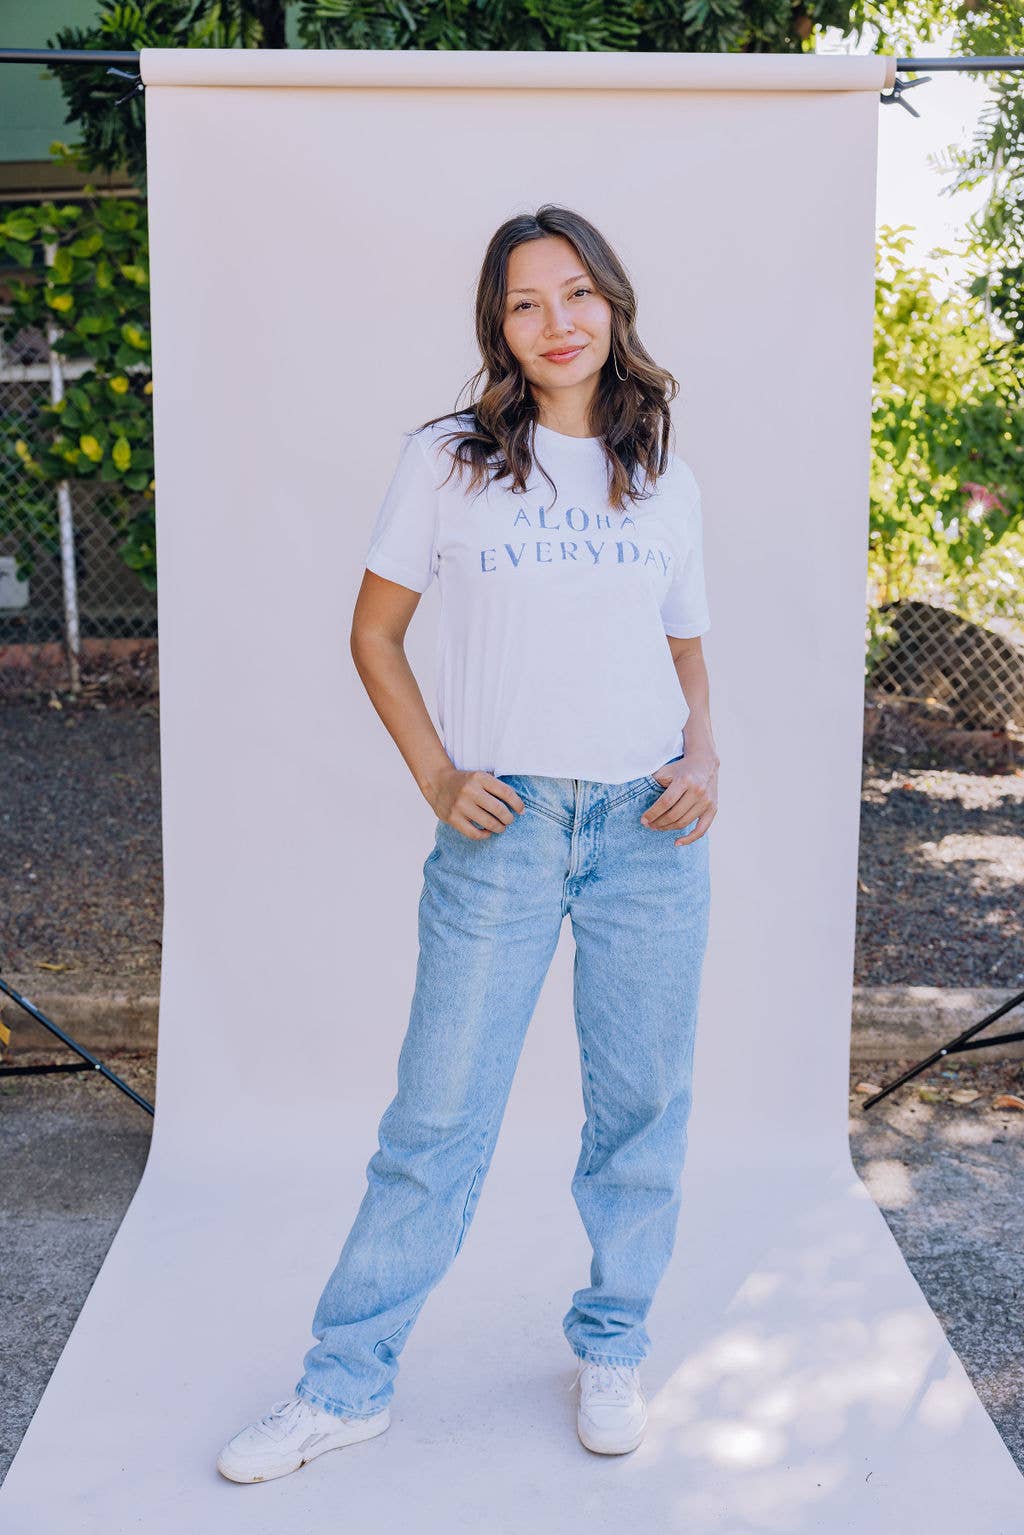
x,y
631,416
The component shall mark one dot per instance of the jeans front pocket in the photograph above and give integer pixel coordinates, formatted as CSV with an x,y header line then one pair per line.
x,y
653,781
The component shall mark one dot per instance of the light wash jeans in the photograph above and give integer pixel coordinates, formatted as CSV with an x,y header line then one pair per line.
x,y
490,914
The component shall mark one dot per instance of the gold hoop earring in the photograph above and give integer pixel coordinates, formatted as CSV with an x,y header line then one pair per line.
x,y
615,364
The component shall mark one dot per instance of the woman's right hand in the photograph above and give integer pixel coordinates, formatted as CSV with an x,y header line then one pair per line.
x,y
464,797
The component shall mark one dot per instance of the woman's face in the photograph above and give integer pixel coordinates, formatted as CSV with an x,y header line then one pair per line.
x,y
551,306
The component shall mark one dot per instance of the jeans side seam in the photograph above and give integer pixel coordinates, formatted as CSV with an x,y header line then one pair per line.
x,y
593,1115
465,1209
477,1176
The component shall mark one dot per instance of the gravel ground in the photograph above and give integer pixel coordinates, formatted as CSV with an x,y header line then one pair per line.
x,y
940,874
81,885
939,878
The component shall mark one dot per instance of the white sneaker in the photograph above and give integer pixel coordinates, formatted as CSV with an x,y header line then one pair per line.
x,y
612,1412
293,1432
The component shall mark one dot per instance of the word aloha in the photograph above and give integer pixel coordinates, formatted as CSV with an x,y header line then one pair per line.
x,y
577,520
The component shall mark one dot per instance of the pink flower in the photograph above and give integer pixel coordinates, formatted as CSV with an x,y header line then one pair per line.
x,y
984,500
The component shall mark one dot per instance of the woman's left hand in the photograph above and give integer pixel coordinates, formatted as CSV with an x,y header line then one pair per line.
x,y
691,790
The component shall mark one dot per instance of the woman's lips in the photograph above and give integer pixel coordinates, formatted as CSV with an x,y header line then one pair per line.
x,y
566,356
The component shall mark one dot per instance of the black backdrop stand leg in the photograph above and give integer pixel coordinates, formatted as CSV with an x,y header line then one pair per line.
x,y
953,1048
88,1060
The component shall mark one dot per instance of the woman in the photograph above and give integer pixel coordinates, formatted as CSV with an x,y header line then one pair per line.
x,y
567,539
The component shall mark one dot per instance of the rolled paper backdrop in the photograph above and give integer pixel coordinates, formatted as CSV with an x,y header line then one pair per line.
x,y
317,222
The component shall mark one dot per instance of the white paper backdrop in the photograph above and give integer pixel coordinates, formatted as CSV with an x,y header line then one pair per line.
x,y
317,223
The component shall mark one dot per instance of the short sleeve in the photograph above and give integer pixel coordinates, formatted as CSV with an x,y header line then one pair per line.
x,y
403,543
684,610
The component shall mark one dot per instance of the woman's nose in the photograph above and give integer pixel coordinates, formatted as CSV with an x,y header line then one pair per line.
x,y
559,326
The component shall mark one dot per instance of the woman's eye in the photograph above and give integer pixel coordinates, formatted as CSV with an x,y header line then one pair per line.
x,y
524,303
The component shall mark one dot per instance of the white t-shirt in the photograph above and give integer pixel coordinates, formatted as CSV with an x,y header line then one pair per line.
x,y
551,653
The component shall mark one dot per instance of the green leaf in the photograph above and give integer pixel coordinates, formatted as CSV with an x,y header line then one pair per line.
x,y
23,254
86,245
135,336
63,265
18,228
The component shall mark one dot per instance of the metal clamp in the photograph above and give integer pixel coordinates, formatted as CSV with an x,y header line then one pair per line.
x,y
896,93
138,86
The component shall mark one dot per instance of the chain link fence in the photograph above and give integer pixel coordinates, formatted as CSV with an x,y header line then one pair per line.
x,y
971,675
946,690
78,618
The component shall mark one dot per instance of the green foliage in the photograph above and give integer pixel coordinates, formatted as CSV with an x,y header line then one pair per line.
x,y
88,272
947,435
664,26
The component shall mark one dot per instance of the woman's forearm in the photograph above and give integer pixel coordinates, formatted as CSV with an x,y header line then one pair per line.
x,y
384,669
693,679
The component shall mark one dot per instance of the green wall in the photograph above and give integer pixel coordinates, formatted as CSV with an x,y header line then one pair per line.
x,y
32,105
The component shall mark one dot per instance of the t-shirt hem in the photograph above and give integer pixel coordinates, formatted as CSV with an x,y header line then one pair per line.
x,y
686,631
391,570
546,768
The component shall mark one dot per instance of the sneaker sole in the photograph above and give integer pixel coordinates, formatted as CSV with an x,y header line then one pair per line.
x,y
622,1447
356,1432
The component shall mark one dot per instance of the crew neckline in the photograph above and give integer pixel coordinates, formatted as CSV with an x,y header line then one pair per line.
x,y
562,436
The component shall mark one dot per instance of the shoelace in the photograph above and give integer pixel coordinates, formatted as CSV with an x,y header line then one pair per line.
x,y
281,1415
615,1380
